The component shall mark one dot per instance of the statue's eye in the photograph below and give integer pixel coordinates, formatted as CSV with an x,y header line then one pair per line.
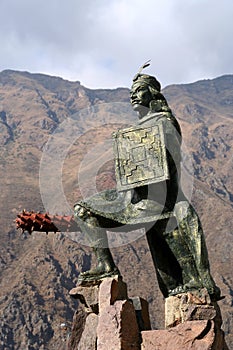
x,y
139,90
142,92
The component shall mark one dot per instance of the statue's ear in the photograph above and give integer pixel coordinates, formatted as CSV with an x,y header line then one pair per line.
x,y
155,106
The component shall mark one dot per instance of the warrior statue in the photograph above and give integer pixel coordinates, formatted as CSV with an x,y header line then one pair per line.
x,y
149,195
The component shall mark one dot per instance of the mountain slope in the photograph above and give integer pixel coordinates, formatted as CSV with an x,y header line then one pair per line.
x,y
37,271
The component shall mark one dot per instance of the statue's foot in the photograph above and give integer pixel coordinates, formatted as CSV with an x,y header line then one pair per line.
x,y
214,292
97,274
175,291
190,286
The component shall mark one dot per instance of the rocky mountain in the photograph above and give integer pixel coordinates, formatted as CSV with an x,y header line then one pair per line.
x,y
53,151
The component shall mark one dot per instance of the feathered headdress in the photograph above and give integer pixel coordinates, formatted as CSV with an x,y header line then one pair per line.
x,y
145,78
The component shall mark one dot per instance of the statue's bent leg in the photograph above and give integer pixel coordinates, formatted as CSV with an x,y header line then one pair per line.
x,y
97,236
168,271
191,231
184,258
174,264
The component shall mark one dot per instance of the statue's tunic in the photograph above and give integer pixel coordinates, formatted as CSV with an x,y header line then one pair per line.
x,y
143,203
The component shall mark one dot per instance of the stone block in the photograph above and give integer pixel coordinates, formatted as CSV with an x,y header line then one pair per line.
x,y
193,305
191,335
110,290
87,295
89,334
117,327
78,326
198,312
99,298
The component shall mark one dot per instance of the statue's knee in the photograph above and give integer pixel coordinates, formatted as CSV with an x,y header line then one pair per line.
x,y
182,210
81,213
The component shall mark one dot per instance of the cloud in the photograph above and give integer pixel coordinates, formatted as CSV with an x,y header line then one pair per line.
x,y
102,43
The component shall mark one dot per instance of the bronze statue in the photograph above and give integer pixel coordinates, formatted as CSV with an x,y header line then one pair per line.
x,y
148,194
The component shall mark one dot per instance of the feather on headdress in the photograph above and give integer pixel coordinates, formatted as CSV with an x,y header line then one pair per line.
x,y
145,78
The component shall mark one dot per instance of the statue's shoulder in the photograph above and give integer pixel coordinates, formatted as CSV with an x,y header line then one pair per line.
x,y
166,118
155,117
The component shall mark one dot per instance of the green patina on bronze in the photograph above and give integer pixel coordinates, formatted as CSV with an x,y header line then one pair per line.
x,y
140,156
149,195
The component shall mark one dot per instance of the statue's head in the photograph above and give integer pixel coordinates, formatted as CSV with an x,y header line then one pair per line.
x,y
145,88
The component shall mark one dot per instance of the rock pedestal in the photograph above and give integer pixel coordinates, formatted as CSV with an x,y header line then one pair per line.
x,y
191,335
108,320
193,322
190,306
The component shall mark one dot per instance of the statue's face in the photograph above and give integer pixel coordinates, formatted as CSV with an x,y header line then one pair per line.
x,y
140,97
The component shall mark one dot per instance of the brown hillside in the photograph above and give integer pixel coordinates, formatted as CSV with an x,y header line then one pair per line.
x,y
37,271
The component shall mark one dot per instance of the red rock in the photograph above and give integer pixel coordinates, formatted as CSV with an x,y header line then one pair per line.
x,y
117,328
191,335
87,295
83,336
88,339
110,290
190,306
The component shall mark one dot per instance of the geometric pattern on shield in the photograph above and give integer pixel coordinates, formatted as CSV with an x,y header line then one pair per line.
x,y
140,156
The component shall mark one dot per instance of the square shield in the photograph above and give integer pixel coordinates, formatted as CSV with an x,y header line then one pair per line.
x,y
140,156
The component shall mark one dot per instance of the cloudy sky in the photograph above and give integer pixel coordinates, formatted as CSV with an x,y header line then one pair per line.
x,y
102,43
